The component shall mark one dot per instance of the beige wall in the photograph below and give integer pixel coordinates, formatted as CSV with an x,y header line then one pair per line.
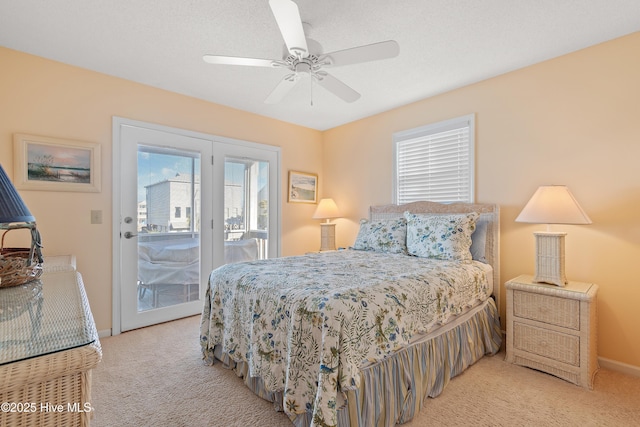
x,y
43,97
574,120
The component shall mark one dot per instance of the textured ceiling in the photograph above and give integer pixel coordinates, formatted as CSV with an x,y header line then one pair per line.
x,y
444,44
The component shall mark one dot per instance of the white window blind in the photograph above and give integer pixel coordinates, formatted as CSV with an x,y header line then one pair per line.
x,y
435,162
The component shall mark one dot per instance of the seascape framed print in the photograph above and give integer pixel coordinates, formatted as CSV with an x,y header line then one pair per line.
x,y
54,164
303,187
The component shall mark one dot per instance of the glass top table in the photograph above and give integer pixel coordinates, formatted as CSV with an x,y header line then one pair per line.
x,y
45,316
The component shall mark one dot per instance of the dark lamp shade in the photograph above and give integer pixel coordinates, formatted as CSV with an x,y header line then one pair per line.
x,y
12,208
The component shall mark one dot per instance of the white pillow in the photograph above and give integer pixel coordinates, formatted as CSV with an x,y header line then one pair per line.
x,y
446,237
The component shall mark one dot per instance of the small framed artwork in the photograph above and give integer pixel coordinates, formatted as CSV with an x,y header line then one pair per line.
x,y
53,164
303,187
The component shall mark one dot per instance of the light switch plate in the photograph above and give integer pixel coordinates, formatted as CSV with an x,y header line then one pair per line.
x,y
96,217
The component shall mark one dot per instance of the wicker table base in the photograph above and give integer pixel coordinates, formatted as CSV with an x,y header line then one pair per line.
x,y
50,390
48,346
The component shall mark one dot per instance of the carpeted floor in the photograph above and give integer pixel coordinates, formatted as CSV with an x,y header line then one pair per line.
x,y
154,377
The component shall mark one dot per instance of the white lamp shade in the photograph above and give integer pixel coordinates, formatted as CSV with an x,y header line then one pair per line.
x,y
326,209
553,204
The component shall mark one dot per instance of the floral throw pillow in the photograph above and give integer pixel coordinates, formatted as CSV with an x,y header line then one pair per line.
x,y
387,235
445,237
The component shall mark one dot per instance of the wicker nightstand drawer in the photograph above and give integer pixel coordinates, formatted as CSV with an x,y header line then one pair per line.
x,y
553,329
562,312
553,345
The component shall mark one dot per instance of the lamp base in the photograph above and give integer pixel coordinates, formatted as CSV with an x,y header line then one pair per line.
x,y
327,237
550,258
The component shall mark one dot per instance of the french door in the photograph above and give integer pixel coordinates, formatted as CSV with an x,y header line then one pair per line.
x,y
185,203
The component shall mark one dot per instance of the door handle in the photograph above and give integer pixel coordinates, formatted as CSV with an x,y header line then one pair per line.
x,y
128,235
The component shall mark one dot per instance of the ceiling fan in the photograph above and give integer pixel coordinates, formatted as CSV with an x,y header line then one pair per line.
x,y
304,56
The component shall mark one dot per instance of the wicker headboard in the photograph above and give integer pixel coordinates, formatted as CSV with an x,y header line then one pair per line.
x,y
488,212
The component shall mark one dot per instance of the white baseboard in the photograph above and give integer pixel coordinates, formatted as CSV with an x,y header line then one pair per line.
x,y
619,367
104,333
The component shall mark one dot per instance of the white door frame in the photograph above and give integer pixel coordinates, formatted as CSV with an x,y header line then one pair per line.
x,y
218,147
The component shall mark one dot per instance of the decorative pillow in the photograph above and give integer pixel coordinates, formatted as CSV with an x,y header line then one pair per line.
x,y
385,235
445,237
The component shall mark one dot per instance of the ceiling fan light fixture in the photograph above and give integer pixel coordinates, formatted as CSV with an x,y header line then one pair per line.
x,y
303,67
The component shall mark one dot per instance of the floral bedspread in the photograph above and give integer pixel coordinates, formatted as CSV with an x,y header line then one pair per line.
x,y
306,324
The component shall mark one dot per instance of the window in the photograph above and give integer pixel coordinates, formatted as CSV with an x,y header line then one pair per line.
x,y
168,180
246,208
246,194
435,162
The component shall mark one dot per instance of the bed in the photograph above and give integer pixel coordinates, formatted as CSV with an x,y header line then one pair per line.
x,y
361,337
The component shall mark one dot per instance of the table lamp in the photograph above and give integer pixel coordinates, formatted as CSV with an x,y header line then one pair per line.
x,y
327,209
17,265
552,204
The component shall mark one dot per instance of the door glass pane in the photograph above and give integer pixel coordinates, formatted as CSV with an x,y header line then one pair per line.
x,y
246,209
168,226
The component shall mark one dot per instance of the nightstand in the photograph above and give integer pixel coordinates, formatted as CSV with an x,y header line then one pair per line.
x,y
553,329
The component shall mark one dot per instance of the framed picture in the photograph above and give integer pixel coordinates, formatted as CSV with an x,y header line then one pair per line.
x,y
43,163
303,187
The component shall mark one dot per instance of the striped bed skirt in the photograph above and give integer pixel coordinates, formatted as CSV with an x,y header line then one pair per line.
x,y
393,390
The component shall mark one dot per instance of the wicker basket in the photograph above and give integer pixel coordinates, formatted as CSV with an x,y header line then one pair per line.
x,y
20,265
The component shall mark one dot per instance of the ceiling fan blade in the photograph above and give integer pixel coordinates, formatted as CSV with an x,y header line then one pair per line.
x,y
288,18
338,88
234,60
370,52
285,85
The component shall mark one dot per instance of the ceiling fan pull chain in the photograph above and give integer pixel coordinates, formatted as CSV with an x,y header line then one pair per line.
x,y
311,89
